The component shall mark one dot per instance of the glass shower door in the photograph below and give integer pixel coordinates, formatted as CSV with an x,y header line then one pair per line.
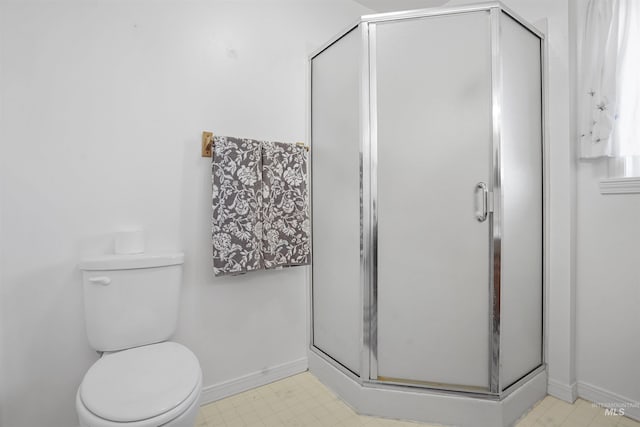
x,y
432,88
522,219
335,135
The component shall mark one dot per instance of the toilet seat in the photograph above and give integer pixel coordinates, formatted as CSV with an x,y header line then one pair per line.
x,y
144,386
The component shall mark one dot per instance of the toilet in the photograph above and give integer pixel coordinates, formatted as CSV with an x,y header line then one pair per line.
x,y
142,379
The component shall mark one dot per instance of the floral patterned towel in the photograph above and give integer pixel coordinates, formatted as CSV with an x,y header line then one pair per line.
x,y
237,205
260,205
285,220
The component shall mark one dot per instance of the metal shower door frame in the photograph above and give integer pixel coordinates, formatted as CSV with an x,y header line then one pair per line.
x,y
369,220
368,201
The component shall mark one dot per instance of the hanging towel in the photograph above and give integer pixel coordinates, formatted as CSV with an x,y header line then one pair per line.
x,y
237,205
286,225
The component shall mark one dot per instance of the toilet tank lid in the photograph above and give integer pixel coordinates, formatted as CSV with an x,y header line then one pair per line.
x,y
127,262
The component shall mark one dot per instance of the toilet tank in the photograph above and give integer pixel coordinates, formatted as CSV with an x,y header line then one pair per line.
x,y
131,300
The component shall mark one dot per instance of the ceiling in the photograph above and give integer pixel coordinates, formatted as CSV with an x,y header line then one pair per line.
x,y
393,5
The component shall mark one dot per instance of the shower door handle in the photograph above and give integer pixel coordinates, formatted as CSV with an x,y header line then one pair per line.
x,y
481,212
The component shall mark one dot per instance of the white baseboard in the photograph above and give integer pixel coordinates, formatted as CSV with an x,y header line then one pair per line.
x,y
608,399
224,389
566,392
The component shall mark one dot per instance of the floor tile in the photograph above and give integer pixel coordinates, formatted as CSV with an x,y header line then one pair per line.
x,y
303,401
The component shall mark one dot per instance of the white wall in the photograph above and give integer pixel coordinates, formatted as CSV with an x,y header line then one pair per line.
x,y
102,106
561,193
608,293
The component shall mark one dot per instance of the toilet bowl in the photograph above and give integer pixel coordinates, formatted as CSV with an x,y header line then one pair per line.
x,y
148,386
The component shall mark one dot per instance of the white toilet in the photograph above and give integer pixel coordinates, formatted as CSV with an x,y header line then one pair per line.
x,y
131,309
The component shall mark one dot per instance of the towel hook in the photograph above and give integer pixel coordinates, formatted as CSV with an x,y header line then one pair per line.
x,y
207,143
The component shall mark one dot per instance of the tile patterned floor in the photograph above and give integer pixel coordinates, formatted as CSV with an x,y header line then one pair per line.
x,y
302,401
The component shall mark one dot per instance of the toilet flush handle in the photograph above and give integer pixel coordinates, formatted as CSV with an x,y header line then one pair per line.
x,y
100,280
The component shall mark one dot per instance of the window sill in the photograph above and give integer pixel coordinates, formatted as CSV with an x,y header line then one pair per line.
x,y
620,185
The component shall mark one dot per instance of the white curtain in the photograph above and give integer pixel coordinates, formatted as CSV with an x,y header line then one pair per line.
x,y
609,86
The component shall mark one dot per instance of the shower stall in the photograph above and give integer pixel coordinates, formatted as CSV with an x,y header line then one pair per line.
x,y
427,135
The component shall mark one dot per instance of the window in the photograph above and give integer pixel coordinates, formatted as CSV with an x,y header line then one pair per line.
x,y
609,87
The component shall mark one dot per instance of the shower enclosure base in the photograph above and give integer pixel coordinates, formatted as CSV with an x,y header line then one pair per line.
x,y
431,406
